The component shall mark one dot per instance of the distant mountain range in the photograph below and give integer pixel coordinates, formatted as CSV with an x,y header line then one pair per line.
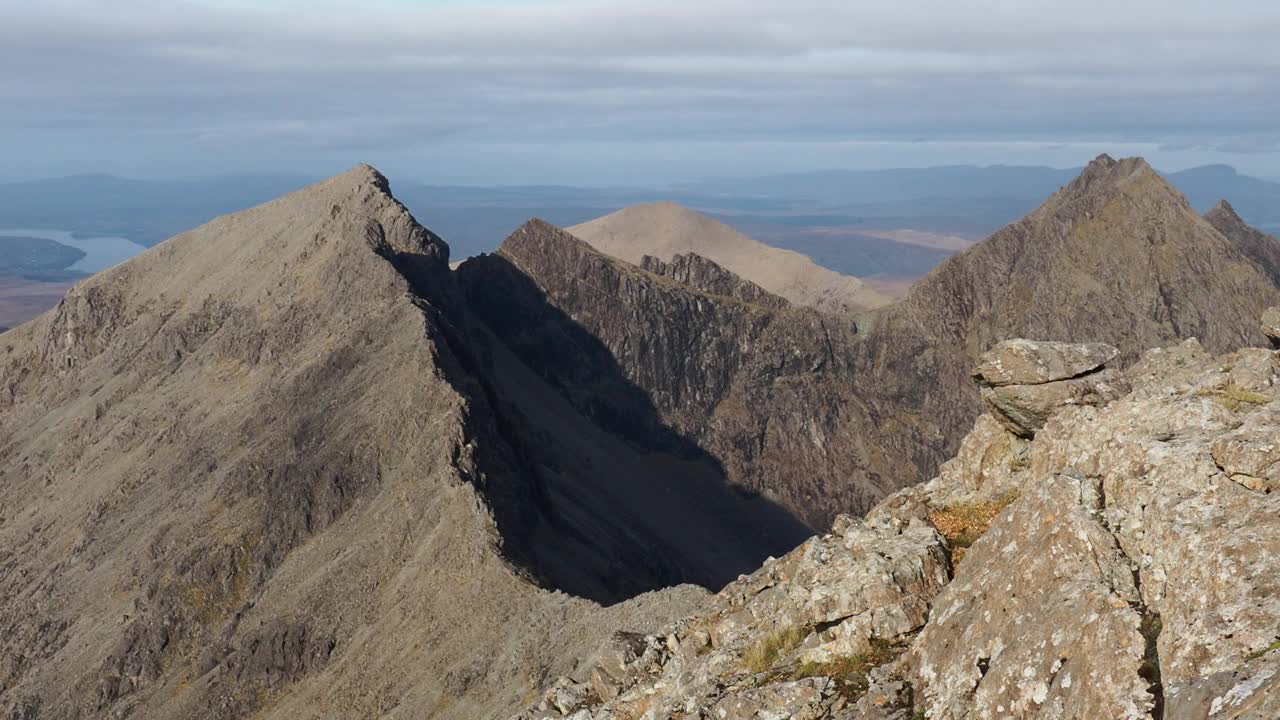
x,y
839,218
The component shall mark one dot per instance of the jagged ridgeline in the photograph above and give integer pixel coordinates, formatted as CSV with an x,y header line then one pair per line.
x,y
828,413
291,465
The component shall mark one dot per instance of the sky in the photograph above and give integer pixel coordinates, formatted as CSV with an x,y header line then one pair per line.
x,y
608,92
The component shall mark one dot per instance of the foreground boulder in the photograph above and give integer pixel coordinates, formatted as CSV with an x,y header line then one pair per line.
x,y
1026,382
1027,362
1121,562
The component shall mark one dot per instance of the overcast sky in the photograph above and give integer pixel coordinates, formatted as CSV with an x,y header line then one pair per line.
x,y
612,92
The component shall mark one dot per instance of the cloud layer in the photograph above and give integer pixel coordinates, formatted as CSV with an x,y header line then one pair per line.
x,y
203,83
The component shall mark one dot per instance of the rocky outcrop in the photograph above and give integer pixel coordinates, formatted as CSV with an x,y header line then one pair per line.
x,y
1116,567
768,644
1024,383
1131,494
1024,362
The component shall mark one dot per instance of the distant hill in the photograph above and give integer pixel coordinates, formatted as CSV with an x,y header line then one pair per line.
x,y
1256,201
665,230
35,257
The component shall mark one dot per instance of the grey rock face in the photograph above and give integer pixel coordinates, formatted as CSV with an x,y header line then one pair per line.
x,y
1040,620
1128,499
1251,455
1250,693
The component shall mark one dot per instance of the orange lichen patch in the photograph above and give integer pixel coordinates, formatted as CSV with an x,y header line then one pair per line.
x,y
964,523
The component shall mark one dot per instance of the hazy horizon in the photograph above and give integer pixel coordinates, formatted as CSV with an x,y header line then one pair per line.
x,y
674,183
611,93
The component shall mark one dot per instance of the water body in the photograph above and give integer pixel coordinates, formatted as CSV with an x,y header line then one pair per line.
x,y
100,253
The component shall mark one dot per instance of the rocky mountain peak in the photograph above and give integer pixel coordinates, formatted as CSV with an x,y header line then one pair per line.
x,y
1068,265
537,237
283,439
1225,210
1106,176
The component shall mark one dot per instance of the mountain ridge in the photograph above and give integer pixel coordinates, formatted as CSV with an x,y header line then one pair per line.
x,y
267,548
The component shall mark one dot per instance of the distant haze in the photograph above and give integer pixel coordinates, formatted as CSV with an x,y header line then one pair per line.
x,y
595,92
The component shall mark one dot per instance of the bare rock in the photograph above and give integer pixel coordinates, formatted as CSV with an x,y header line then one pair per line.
x,y
796,700
1251,455
1249,693
795,639
1024,409
1040,620
1029,362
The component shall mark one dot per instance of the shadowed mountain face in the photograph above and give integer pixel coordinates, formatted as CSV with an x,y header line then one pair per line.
x,y
256,467
771,392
